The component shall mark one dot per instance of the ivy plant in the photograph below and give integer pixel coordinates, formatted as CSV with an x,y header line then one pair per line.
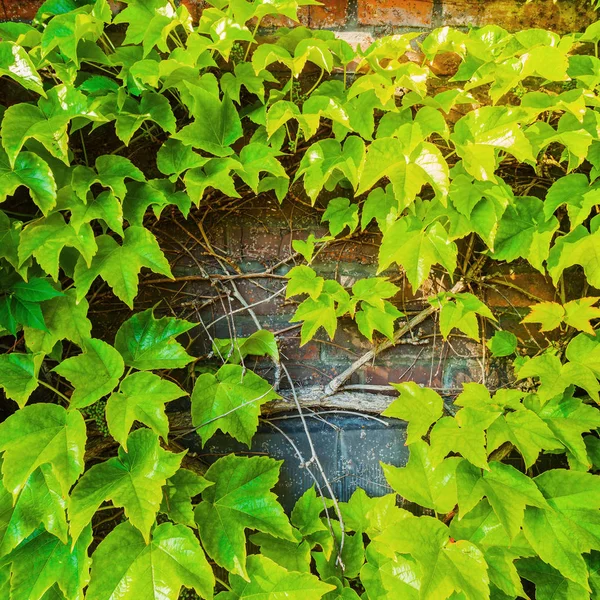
x,y
98,499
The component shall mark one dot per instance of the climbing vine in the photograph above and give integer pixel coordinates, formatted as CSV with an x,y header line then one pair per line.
x,y
98,498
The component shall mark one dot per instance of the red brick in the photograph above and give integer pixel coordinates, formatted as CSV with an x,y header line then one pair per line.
x,y
514,293
195,7
398,13
357,39
333,13
291,350
21,9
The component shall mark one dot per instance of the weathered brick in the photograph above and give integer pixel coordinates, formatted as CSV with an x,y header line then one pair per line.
x,y
357,39
22,9
510,290
195,7
291,350
332,13
397,13
561,16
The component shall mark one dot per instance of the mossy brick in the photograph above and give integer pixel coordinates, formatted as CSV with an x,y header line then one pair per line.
x,y
561,16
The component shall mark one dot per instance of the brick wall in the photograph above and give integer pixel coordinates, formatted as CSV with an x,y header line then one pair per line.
x,y
384,16
256,234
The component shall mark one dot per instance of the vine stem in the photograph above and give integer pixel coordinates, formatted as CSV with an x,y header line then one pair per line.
x,y
315,459
53,389
334,385
250,43
317,82
223,583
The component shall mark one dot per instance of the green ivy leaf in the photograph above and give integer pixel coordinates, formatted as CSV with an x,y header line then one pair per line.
x,y
39,502
105,206
260,343
149,23
16,64
502,343
422,482
141,397
328,159
370,319
153,107
578,314
316,313
448,436
568,418
157,193
46,123
42,560
65,30
133,480
549,583
370,515
174,158
561,534
420,406
482,527
217,174
548,314
446,565
31,171
585,350
574,191
178,492
10,232
120,266
524,232
526,431
293,556
94,373
266,579
482,132
508,491
574,496
40,434
379,205
406,244
240,499
304,280
126,564
459,311
352,555
19,375
65,319
110,171
577,248
258,158
216,125
45,239
341,213
408,162
147,343
229,401
556,377
306,514
386,574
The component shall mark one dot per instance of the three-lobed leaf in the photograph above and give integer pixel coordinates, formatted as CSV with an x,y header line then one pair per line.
x,y
127,566
147,343
239,499
132,480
